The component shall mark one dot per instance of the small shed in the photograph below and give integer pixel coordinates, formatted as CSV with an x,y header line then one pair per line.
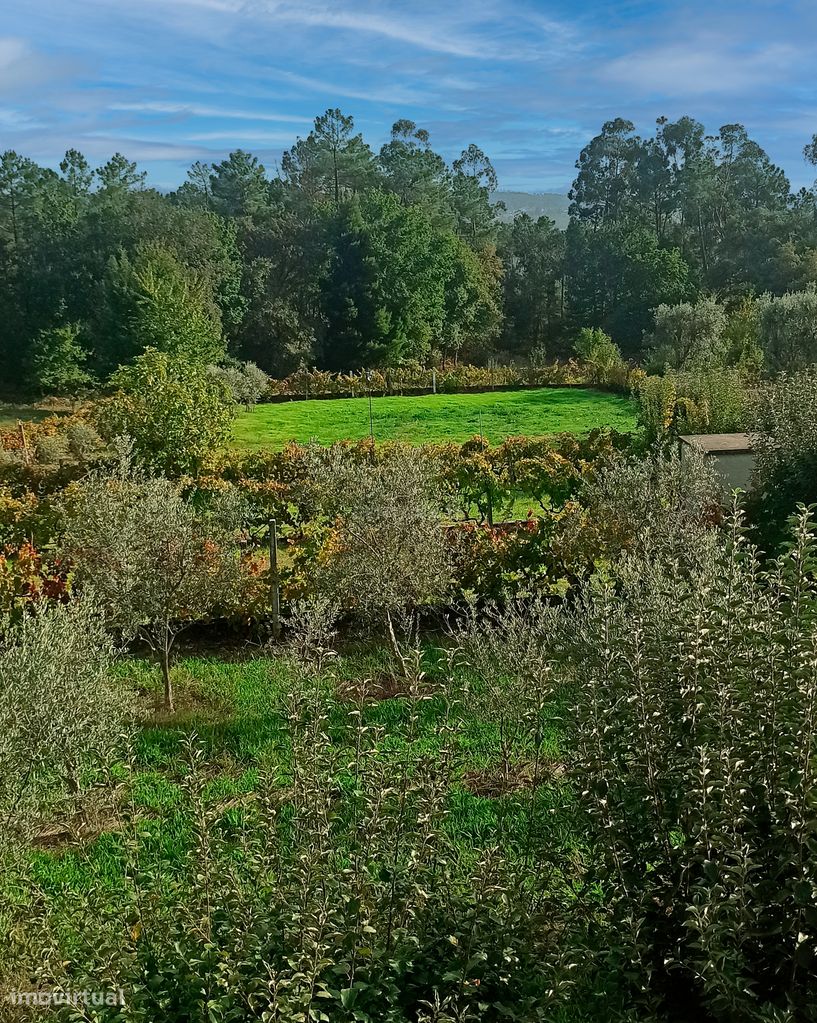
x,y
731,453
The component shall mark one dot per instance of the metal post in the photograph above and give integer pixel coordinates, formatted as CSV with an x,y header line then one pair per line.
x,y
433,381
275,582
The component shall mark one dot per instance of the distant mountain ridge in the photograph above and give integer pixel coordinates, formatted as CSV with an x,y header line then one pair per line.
x,y
536,204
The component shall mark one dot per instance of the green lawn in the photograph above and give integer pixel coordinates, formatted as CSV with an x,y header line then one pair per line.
x,y
240,713
10,415
435,417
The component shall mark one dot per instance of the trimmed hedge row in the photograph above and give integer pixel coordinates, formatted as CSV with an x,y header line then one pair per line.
x,y
407,380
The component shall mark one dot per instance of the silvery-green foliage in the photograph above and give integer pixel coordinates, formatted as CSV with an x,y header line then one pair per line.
x,y
312,628
785,447
788,330
694,752
62,716
245,381
657,505
388,550
511,654
689,336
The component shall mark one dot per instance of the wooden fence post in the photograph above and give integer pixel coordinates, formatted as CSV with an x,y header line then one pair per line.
x,y
24,441
275,582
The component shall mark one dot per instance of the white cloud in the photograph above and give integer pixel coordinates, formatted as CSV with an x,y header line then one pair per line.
x,y
22,68
418,31
696,68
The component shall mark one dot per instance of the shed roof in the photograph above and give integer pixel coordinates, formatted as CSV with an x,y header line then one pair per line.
x,y
719,443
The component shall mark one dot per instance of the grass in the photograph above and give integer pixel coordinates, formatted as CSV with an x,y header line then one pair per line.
x,y
11,414
238,716
237,711
435,417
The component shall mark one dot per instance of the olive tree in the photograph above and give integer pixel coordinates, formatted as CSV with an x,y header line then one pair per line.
x,y
689,335
155,561
788,330
386,553
245,381
62,717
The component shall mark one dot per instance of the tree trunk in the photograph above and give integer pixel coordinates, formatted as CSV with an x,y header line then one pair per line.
x,y
397,653
164,658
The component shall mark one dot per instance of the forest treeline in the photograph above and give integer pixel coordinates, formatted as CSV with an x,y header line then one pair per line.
x,y
346,257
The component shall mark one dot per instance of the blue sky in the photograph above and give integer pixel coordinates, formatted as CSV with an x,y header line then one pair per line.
x,y
168,82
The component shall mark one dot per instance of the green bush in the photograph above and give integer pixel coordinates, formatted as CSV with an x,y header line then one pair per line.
x,y
705,400
599,354
173,410
788,330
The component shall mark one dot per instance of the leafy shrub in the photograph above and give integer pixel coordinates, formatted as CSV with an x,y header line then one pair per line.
x,y
244,381
29,576
599,353
689,336
788,330
175,412
705,400
657,397
660,505
57,361
693,753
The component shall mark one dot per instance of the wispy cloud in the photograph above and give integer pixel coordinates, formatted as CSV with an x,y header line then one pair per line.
x,y
279,138
395,94
169,81
406,27
198,110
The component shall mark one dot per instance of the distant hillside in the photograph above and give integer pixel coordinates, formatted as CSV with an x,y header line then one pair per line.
x,y
537,204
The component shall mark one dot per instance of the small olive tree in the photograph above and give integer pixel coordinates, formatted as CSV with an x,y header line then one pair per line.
x,y
788,330
62,717
245,381
386,553
155,562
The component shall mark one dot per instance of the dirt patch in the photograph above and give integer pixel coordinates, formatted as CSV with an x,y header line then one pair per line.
x,y
98,815
384,686
524,776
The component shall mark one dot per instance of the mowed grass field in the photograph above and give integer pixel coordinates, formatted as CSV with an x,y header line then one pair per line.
x,y
427,418
11,415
